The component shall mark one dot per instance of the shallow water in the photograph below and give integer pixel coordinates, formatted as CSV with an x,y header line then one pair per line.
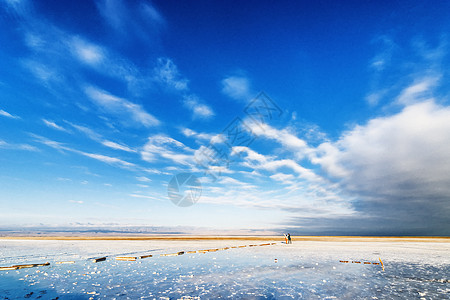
x,y
303,270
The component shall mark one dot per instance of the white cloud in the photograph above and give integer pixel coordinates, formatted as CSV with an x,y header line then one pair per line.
x,y
120,107
50,143
229,182
327,156
258,161
107,159
8,115
87,52
412,143
143,179
113,11
43,72
198,109
76,201
103,158
236,87
283,178
162,146
87,131
418,91
383,58
213,138
117,146
375,96
102,60
241,194
397,166
188,132
154,171
284,136
98,138
166,72
25,147
150,13
64,179
251,154
128,18
53,125
59,57
135,195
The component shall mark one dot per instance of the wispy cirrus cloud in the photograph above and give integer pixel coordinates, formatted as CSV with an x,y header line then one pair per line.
x,y
53,125
76,201
139,19
104,61
59,58
257,161
287,179
8,115
87,131
118,146
121,108
136,195
393,71
286,137
420,90
213,138
86,52
50,143
383,58
167,74
99,138
237,87
143,179
13,146
198,109
107,159
164,147
100,157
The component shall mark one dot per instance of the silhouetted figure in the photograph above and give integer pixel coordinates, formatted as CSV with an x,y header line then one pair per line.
x,y
289,239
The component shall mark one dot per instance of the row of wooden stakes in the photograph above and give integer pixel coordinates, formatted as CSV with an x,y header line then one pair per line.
x,y
364,262
17,267
133,258
129,258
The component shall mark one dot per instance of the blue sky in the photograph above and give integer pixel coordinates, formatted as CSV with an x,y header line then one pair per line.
x,y
103,102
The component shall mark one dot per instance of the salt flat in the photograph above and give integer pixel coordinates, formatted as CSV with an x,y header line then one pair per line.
x,y
306,269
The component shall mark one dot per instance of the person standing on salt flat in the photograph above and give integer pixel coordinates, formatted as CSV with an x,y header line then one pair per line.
x,y
285,238
289,239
